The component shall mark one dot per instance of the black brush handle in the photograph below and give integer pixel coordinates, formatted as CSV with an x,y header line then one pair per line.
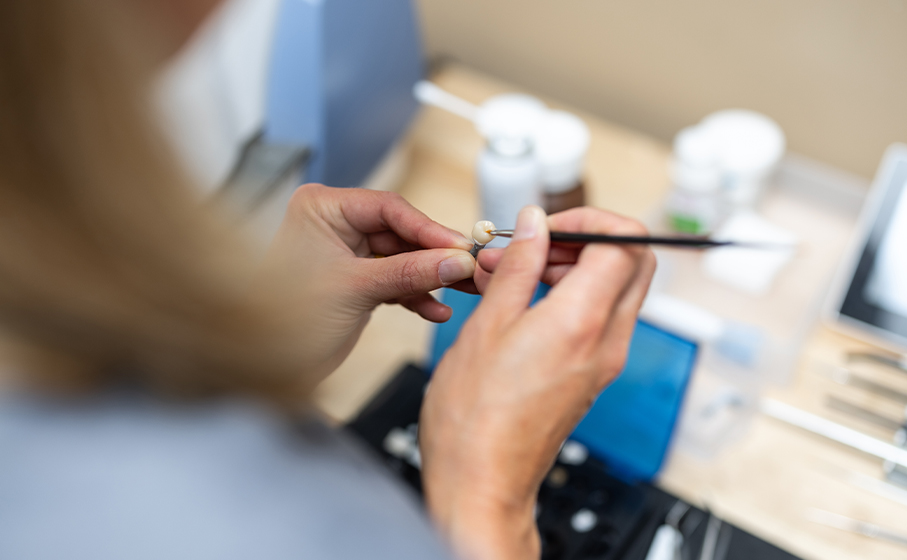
x,y
690,242
695,242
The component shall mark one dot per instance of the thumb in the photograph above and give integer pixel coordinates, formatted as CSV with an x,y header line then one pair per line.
x,y
517,275
414,272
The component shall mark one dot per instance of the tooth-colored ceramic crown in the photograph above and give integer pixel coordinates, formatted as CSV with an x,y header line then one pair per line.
x,y
480,232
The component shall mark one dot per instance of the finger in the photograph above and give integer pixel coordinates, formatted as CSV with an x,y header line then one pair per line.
x,y
588,220
412,273
489,258
467,286
635,294
375,211
595,284
482,278
553,273
617,336
427,307
388,243
518,273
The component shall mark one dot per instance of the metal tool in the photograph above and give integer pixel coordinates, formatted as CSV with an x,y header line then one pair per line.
x,y
691,242
709,549
856,411
891,360
845,376
866,483
834,431
896,474
668,541
848,524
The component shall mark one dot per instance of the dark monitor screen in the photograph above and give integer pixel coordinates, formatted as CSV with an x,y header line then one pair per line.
x,y
877,293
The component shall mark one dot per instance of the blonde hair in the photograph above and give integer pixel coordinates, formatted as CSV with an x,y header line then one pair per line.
x,y
110,266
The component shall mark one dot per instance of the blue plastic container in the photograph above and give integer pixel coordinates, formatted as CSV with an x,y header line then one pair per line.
x,y
631,424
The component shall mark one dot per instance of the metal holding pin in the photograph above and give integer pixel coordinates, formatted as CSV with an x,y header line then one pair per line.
x,y
481,236
483,232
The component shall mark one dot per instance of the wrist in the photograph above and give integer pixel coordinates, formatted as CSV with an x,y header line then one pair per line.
x,y
484,529
479,511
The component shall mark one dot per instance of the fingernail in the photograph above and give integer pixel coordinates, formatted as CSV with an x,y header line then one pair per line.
x,y
528,223
464,241
456,268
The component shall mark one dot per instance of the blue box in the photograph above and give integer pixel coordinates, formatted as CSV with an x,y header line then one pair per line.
x,y
631,424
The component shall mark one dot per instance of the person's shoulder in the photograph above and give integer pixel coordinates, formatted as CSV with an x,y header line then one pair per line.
x,y
132,474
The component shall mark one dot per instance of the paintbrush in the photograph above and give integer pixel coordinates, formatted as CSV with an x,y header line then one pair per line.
x,y
690,242
484,231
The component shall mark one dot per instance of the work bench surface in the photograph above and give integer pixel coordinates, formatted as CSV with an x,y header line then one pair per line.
x,y
768,479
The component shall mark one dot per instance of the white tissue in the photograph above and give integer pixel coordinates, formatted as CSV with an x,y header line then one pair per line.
x,y
750,270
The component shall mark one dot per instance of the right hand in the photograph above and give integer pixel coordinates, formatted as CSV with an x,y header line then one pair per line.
x,y
519,379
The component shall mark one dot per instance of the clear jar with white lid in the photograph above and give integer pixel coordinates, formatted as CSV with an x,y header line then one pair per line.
x,y
695,205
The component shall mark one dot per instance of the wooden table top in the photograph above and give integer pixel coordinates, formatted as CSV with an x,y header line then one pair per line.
x,y
766,480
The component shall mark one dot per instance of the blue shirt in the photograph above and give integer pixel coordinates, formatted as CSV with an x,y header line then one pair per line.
x,y
130,478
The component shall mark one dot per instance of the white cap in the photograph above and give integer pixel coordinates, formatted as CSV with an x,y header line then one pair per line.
x,y
750,145
561,143
749,142
696,161
510,146
511,115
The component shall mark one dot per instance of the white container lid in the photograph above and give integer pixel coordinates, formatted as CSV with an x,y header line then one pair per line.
x,y
511,115
561,144
696,161
749,143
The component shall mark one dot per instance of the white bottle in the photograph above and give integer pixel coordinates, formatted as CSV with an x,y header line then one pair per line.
x,y
508,176
508,172
695,206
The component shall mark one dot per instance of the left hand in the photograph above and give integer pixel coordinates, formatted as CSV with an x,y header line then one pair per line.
x,y
326,247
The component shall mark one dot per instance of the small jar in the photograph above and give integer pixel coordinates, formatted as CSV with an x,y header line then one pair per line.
x,y
695,205
561,144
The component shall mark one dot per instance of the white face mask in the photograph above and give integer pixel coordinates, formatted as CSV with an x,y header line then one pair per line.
x,y
211,96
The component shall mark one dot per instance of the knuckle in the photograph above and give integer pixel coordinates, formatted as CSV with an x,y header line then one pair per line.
x,y
579,211
634,227
392,199
614,363
407,278
308,189
303,194
583,326
640,228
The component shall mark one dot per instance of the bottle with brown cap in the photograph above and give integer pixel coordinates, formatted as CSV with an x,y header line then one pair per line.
x,y
561,144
